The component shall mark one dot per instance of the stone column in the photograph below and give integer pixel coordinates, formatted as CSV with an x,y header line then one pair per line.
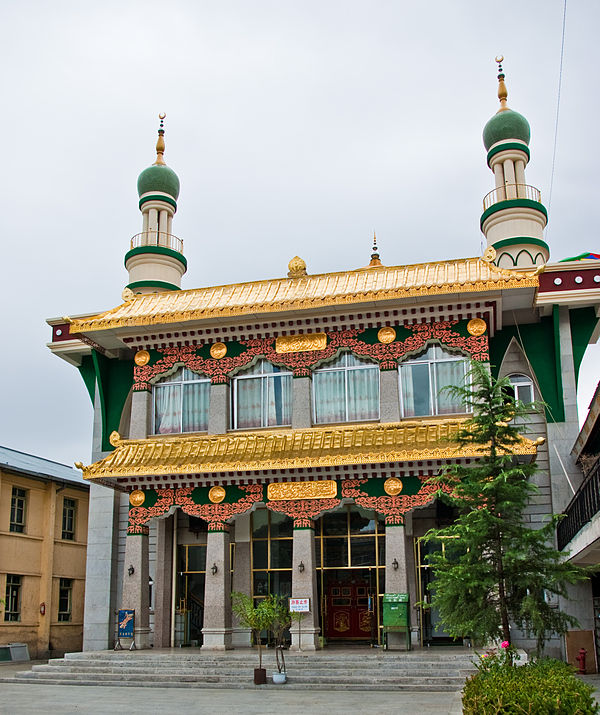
x,y
396,579
389,396
135,586
218,410
304,585
242,576
301,403
217,593
163,582
140,423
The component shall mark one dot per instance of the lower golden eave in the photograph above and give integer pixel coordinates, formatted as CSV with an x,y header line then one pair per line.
x,y
285,449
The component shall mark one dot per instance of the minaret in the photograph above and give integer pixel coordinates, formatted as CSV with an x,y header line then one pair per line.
x,y
155,261
514,217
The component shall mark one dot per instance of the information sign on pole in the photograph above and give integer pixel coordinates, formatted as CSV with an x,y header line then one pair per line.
x,y
300,605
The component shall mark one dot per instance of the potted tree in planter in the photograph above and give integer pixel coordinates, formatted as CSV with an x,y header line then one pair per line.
x,y
258,618
282,620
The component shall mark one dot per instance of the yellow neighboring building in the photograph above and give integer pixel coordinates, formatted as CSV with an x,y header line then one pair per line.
x,y
43,540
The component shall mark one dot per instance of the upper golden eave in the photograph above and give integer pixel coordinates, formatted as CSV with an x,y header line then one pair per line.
x,y
471,275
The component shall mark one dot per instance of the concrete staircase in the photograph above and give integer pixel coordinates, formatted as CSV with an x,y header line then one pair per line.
x,y
429,670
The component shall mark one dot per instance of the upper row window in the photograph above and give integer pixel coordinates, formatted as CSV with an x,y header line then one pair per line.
x,y
181,403
262,397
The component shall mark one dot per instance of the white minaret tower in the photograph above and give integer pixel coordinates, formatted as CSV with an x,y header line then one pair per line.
x,y
514,217
155,261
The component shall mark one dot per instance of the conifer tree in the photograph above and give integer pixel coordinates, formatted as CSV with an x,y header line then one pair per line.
x,y
495,570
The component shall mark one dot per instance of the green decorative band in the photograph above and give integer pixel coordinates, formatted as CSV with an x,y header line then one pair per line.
x,y
507,147
153,284
156,249
519,240
158,197
512,204
304,528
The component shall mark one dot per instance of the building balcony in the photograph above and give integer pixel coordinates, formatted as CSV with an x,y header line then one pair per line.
x,y
582,511
157,238
510,192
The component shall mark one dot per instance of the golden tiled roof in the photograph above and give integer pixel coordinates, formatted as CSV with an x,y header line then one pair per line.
x,y
285,449
284,294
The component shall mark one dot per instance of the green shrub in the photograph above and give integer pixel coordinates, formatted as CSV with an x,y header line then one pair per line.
x,y
543,687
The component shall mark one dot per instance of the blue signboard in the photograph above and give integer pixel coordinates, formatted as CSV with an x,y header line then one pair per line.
x,y
126,622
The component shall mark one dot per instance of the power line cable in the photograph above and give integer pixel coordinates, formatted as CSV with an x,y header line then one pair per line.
x,y
560,71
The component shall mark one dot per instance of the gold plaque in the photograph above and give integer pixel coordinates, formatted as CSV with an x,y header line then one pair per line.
x,y
216,494
386,335
137,498
392,486
300,343
218,351
286,491
476,326
142,357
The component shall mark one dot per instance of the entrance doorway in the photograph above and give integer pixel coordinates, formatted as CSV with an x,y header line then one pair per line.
x,y
349,605
191,581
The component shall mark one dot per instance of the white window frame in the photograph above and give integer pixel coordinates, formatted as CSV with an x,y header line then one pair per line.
x,y
433,387
330,367
168,381
525,381
264,377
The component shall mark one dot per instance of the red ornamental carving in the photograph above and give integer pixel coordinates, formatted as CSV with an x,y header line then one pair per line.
x,y
301,363
215,514
303,511
392,507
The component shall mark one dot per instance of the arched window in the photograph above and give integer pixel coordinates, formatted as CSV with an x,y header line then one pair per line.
x,y
262,397
523,387
181,403
422,379
346,390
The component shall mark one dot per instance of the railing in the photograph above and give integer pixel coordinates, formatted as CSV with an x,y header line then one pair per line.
x,y
512,191
157,238
582,507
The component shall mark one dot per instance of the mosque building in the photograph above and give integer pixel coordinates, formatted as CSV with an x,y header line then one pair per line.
x,y
276,436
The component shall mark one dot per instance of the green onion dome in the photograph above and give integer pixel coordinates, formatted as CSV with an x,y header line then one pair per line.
x,y
506,125
158,177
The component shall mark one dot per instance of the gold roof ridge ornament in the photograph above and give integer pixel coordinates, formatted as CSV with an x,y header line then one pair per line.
x,y
502,91
297,268
375,260
160,142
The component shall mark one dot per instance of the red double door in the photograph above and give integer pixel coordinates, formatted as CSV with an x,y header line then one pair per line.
x,y
349,614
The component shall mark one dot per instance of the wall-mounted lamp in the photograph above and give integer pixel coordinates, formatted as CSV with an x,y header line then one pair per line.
x,y
395,564
131,570
213,569
301,566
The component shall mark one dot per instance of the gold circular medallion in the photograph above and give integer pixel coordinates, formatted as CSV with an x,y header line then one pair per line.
x,y
142,357
392,486
137,498
127,294
218,350
386,335
216,494
489,254
476,326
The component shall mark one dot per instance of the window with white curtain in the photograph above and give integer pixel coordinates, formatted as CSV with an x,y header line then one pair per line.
x,y
181,403
262,397
346,390
423,378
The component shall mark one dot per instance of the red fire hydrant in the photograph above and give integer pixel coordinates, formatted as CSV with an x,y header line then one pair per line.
x,y
581,660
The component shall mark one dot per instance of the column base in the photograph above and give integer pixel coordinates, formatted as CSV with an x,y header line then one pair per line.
x,y
310,639
217,639
241,637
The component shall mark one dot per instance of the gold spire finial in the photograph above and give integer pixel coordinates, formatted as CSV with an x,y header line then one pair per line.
x,y
375,255
502,91
160,143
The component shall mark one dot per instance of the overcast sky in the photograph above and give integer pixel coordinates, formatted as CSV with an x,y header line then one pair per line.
x,y
295,128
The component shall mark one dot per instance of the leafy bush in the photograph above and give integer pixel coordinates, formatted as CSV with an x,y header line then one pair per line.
x,y
543,687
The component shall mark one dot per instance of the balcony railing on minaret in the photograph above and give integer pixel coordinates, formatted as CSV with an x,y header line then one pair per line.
x,y
509,192
157,238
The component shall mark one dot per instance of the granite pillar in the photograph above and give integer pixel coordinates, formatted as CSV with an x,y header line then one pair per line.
x,y
163,581
396,573
304,585
301,403
389,399
218,409
135,587
217,593
242,577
